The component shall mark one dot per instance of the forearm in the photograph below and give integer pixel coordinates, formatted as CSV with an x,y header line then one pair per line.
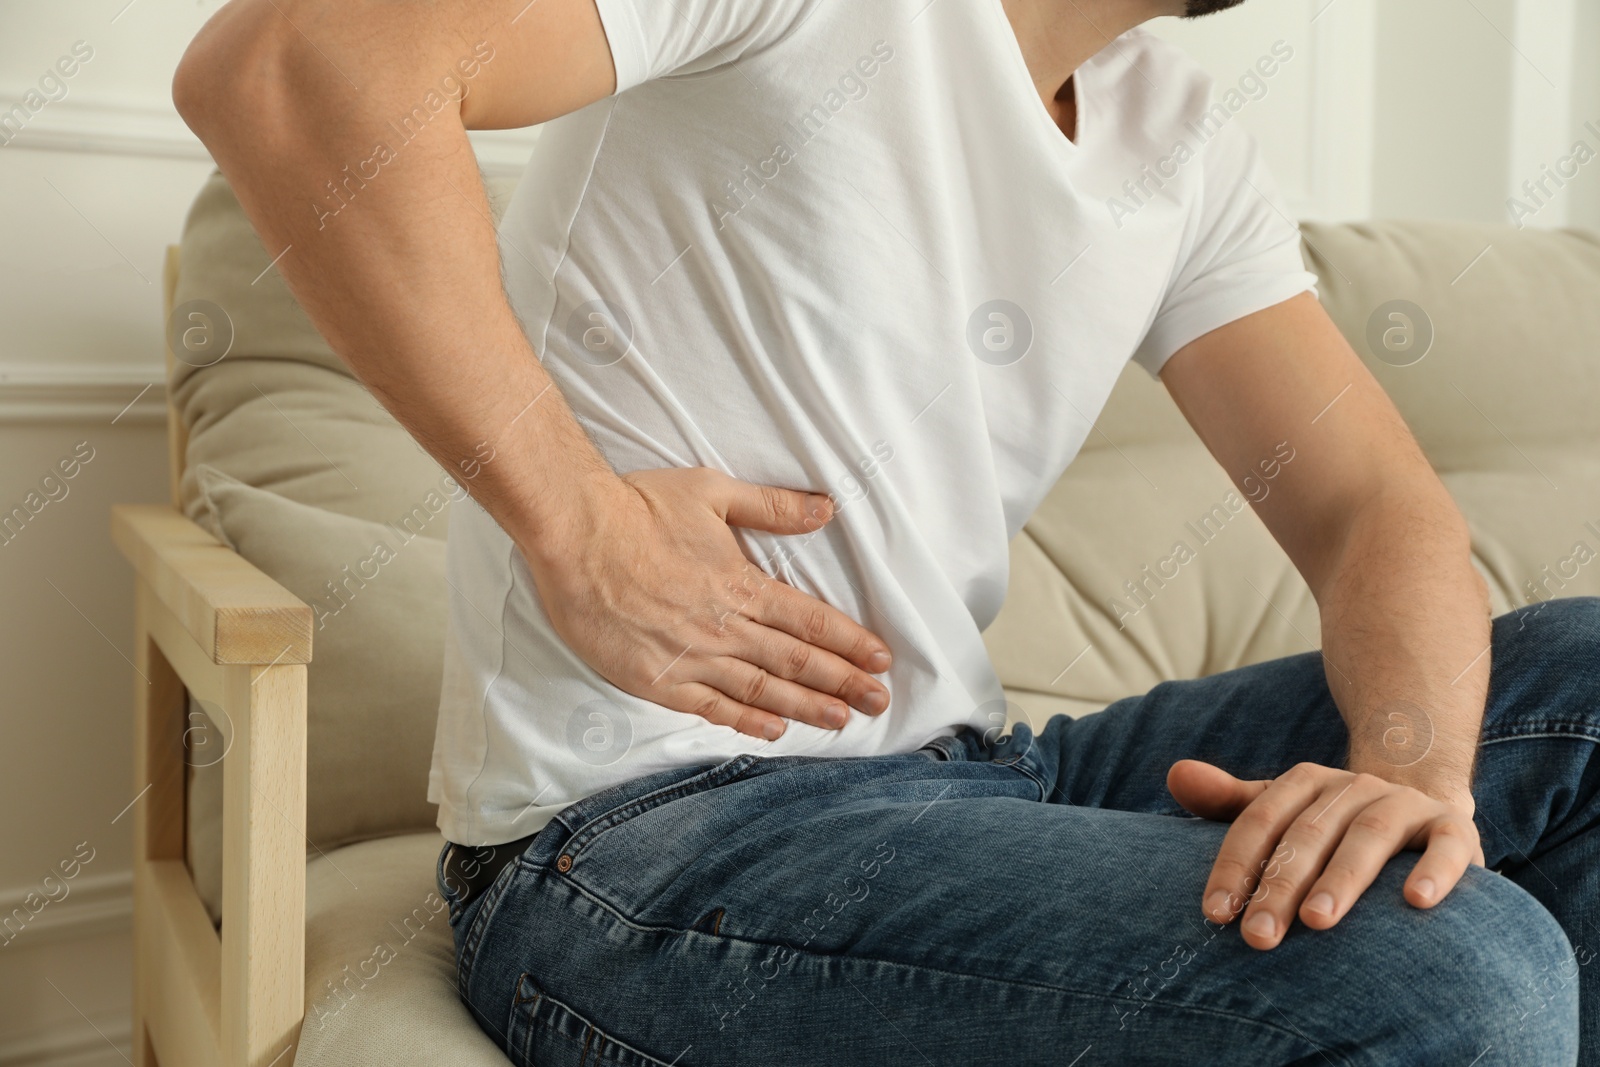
x,y
395,262
1405,633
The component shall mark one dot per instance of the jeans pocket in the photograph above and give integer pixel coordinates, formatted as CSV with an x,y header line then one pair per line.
x,y
543,1032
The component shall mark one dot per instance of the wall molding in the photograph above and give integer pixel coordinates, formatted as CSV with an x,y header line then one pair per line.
x,y
108,1041
82,392
74,125
95,904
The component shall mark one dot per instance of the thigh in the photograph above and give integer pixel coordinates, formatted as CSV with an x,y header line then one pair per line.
x,y
1540,724
1254,722
913,912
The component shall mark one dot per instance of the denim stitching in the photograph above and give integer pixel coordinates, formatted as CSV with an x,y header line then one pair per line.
x,y
1524,731
474,936
722,774
530,1027
1016,764
605,1047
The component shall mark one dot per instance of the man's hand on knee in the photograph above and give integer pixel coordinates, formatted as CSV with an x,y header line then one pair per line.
x,y
1312,840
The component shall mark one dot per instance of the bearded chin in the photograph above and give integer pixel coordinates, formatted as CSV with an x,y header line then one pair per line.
x,y
1197,8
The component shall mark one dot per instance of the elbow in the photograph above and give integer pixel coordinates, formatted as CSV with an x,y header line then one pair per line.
x,y
191,89
233,72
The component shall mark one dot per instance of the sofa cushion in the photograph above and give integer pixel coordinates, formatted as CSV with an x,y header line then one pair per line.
x,y
1143,564
372,688
1514,363
1503,401
309,435
380,963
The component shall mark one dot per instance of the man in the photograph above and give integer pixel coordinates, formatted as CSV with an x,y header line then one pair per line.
x,y
787,351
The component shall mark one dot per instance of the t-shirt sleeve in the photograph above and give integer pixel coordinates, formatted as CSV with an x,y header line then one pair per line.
x,y
656,38
1242,252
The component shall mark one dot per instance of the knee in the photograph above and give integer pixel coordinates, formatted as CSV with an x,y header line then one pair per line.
x,y
1558,629
1552,646
1488,967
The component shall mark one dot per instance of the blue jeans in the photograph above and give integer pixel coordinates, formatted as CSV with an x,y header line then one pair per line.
x,y
1036,899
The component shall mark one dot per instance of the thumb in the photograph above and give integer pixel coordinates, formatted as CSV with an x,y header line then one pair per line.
x,y
779,511
1209,791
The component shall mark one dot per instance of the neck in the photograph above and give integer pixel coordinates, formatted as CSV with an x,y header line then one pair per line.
x,y
1057,36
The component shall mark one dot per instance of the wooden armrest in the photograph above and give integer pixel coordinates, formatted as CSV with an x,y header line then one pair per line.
x,y
209,626
235,613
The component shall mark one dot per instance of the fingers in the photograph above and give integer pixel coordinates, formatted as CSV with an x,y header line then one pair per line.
x,y
1246,862
715,706
766,507
1453,846
1379,832
785,608
755,687
1315,839
765,676
764,652
830,679
1303,853
1209,791
752,701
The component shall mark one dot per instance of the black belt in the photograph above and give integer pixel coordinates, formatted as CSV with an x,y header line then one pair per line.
x,y
470,869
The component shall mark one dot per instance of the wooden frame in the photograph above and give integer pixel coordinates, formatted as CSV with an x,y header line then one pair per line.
x,y
208,623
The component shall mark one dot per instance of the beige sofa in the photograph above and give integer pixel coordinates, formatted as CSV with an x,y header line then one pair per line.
x,y
290,462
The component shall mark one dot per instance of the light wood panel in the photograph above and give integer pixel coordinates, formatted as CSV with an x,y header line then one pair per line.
x,y
158,782
264,865
202,999
235,613
179,978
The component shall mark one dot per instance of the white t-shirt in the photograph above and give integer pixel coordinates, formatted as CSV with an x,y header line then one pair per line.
x,y
838,245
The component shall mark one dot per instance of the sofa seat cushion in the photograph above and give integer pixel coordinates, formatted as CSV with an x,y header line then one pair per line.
x,y
380,963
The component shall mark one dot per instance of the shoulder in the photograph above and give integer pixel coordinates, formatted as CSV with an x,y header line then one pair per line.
x,y
1160,93
1151,67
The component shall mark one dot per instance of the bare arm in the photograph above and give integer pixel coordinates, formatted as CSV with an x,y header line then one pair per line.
x,y
299,103
1405,617
404,282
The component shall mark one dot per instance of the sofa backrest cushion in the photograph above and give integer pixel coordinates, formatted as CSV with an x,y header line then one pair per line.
x,y
1142,565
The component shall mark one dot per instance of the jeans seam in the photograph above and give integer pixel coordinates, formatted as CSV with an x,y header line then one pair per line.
x,y
1026,772
473,937
722,774
605,1046
1548,731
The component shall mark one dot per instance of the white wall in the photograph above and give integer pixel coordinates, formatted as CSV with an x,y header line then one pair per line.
x,y
1431,108
1418,108
84,227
